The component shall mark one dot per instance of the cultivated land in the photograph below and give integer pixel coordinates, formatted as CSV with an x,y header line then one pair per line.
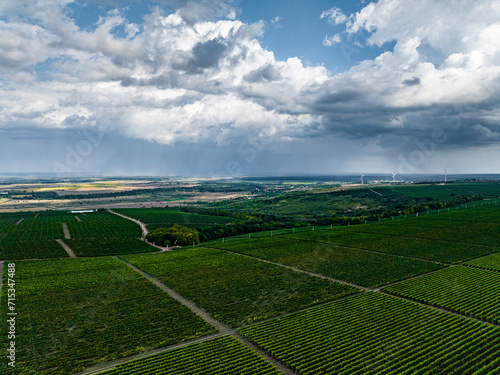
x,y
409,295
78,312
235,289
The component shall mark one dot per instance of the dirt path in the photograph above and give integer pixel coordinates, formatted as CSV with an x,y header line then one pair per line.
x,y
67,248
78,219
223,329
67,236
38,213
144,231
20,221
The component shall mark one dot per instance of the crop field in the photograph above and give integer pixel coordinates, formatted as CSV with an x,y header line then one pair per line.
x,y
374,239
77,312
28,235
454,231
103,233
356,266
490,262
219,356
465,290
474,212
235,289
379,334
443,192
160,217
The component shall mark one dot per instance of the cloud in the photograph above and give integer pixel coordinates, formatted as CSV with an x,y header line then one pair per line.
x,y
334,16
198,75
276,22
331,41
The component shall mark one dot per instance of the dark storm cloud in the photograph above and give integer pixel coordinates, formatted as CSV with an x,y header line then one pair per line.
x,y
267,73
412,82
206,55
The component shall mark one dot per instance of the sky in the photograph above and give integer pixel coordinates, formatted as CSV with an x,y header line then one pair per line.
x,y
248,87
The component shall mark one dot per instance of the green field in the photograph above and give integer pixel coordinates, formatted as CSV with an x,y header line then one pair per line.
x,y
465,290
220,356
356,266
490,262
378,334
479,233
28,235
235,289
375,237
447,191
103,233
77,312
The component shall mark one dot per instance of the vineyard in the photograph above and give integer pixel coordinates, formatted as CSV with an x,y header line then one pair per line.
x,y
472,232
427,302
490,262
102,233
78,312
359,267
28,235
374,334
219,356
235,289
372,237
465,290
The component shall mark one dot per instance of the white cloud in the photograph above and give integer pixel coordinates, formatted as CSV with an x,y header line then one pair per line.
x,y
276,22
334,16
331,41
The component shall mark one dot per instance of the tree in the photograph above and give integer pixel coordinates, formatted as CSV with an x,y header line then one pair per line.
x,y
175,235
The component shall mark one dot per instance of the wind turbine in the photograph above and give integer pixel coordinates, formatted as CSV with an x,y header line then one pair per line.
x,y
444,175
362,175
393,175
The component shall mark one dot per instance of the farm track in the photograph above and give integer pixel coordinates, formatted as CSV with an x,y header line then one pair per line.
x,y
223,329
144,231
20,221
67,235
78,219
67,249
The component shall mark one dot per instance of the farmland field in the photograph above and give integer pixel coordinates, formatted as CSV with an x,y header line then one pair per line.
x,y
374,334
459,232
356,266
223,355
103,233
77,312
372,237
28,235
490,262
235,289
25,235
465,290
